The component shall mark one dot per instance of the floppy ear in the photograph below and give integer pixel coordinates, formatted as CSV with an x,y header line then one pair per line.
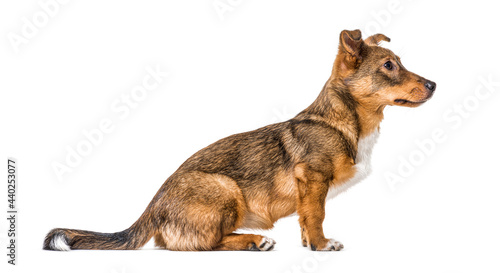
x,y
376,39
350,42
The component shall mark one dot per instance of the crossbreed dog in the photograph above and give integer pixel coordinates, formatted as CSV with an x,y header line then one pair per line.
x,y
252,179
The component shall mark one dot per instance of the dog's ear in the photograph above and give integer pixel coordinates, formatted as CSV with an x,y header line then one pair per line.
x,y
350,42
376,39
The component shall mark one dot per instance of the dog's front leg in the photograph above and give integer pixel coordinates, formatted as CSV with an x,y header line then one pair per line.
x,y
312,190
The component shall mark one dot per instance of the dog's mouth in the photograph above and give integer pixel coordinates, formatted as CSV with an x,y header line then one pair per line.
x,y
414,103
409,102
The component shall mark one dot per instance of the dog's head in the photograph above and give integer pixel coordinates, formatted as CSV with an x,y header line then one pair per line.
x,y
375,75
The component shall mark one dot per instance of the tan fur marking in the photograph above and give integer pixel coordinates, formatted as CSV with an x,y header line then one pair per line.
x,y
311,204
343,169
240,242
283,196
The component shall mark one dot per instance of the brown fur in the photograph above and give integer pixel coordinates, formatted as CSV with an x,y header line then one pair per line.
x,y
252,179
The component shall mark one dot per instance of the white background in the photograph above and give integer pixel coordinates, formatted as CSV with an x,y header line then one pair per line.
x,y
258,63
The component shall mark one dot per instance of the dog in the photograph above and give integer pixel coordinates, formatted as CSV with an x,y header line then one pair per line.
x,y
252,179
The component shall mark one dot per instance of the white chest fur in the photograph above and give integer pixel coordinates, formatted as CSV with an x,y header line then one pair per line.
x,y
363,166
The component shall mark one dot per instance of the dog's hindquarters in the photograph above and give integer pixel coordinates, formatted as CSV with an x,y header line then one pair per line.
x,y
197,210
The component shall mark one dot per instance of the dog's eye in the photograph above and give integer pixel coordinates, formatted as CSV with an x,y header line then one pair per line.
x,y
388,65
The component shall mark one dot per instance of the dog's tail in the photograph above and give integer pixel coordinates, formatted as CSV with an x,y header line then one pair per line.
x,y
132,238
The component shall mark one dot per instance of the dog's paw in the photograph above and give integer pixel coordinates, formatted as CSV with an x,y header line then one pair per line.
x,y
265,244
333,245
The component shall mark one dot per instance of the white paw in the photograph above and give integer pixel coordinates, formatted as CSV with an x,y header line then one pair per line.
x,y
266,244
333,245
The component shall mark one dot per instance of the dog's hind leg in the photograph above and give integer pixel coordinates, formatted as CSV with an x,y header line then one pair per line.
x,y
236,241
208,208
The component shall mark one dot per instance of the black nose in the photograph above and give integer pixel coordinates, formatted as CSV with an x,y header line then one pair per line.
x,y
430,85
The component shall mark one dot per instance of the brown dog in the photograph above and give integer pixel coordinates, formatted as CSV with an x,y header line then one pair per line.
x,y
252,179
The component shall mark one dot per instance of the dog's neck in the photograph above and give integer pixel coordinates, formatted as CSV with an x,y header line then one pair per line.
x,y
337,106
370,115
